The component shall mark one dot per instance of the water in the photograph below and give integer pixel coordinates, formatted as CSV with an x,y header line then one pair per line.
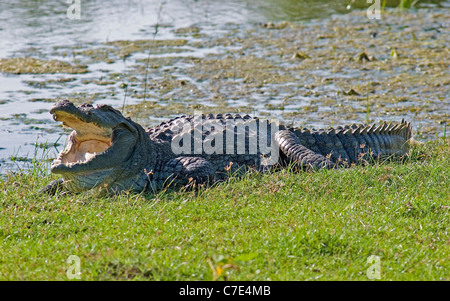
x,y
42,29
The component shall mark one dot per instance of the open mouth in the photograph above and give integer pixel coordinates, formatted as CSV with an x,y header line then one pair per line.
x,y
84,147
91,145
83,151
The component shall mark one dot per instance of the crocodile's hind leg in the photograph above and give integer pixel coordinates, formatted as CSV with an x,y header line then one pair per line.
x,y
302,156
189,170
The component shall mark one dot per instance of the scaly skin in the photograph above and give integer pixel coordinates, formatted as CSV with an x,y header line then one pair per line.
x,y
110,151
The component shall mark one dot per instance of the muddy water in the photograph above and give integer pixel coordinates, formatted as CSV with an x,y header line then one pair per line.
x,y
309,63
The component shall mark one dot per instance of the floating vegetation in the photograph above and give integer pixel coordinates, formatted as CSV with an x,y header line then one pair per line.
x,y
98,54
187,30
126,47
272,25
300,55
21,65
49,82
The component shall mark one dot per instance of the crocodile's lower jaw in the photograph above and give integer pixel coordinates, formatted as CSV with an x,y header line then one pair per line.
x,y
83,182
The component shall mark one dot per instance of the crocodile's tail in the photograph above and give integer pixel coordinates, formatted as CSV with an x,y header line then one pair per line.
x,y
345,145
402,129
382,140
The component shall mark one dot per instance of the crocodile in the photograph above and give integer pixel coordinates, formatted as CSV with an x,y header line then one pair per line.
x,y
108,150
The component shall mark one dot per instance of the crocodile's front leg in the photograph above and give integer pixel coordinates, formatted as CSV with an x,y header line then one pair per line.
x,y
185,170
52,187
303,157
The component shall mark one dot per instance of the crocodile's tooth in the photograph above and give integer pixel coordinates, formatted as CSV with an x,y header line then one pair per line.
x,y
89,156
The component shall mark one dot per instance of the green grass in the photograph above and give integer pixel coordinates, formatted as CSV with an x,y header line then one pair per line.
x,y
407,4
280,226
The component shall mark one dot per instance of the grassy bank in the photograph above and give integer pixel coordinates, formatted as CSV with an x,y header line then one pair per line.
x,y
279,226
